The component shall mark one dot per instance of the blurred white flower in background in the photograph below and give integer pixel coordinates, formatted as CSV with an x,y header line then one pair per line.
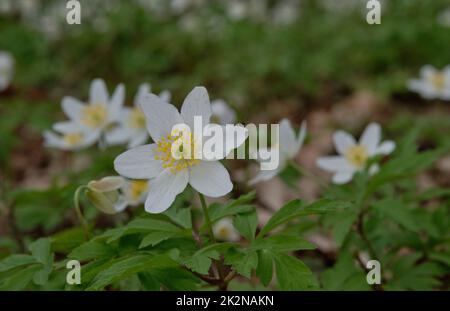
x,y
100,115
222,113
288,146
286,12
224,230
70,137
135,191
132,124
353,156
170,175
444,18
6,70
432,83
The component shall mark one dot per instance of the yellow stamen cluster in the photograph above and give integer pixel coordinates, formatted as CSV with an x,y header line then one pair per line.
x,y
94,115
438,80
138,188
136,119
357,155
73,139
184,149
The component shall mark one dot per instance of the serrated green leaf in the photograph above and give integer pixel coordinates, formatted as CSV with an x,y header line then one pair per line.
x,y
264,269
92,250
282,243
246,224
292,274
243,261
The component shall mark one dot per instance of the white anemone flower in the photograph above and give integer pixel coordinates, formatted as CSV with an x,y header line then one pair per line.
x,y
100,114
222,113
132,123
169,175
353,155
224,230
135,191
288,147
433,83
69,136
6,70
105,194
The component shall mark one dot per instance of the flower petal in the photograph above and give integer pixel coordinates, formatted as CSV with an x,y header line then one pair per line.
x,y
98,93
301,136
371,138
263,175
72,107
160,116
116,102
138,163
210,178
385,148
117,136
223,112
334,164
342,141
232,136
164,189
196,103
66,127
139,138
287,140
342,177
144,90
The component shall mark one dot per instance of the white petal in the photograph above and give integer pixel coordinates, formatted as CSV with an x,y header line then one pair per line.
x,y
160,116
288,142
165,96
196,104
67,127
144,89
138,138
120,205
138,163
427,71
231,137
116,103
117,136
107,184
72,107
342,141
371,138
223,112
334,164
374,169
98,93
342,177
386,147
210,178
301,136
164,189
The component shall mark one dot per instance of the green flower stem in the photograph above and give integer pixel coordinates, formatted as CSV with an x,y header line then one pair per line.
x,y
207,218
82,220
307,173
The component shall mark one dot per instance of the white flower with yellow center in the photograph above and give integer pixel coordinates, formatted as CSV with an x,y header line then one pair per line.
x,y
222,113
224,230
432,84
132,123
171,163
69,136
6,70
135,191
353,156
101,114
288,147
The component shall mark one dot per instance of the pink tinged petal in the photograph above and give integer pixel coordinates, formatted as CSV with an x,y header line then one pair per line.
x,y
160,116
386,147
334,164
210,178
342,141
138,163
371,138
164,189
72,107
98,93
144,90
342,177
196,104
116,102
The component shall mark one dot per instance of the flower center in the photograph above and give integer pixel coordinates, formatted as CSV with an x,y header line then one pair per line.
x,y
73,139
357,155
223,233
177,152
94,115
438,81
136,120
137,188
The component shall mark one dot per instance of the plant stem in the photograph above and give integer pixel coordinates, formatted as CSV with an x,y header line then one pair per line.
x,y
307,173
207,218
82,220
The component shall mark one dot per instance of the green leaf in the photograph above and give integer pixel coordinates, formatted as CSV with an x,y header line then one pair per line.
x,y
181,216
264,269
67,240
41,251
297,208
398,212
246,224
282,243
20,279
341,224
92,250
15,261
154,238
201,260
345,275
238,206
292,274
243,261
